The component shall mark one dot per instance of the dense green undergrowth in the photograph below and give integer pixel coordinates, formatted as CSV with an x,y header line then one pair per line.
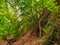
x,y
16,16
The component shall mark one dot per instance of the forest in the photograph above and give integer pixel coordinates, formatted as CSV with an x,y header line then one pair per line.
x,y
29,22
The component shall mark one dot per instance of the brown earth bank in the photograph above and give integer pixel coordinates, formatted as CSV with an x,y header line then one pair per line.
x,y
27,39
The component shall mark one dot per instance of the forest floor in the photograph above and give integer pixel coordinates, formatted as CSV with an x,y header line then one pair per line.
x,y
30,38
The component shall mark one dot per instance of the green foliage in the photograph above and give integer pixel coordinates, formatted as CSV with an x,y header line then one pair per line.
x,y
19,15
7,20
